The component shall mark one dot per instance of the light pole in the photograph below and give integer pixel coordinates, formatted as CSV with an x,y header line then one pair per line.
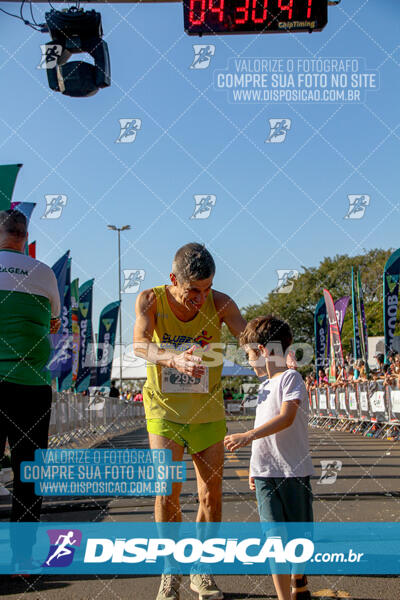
x,y
119,229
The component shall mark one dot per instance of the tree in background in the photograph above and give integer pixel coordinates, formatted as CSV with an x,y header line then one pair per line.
x,y
297,307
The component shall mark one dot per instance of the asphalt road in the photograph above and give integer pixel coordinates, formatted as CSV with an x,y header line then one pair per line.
x,y
367,488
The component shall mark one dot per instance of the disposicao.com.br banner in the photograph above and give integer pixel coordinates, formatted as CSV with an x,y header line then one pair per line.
x,y
251,548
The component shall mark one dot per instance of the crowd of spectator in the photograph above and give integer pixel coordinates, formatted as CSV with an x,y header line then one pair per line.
x,y
356,371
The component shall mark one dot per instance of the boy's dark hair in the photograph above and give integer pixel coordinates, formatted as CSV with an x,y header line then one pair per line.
x,y
265,330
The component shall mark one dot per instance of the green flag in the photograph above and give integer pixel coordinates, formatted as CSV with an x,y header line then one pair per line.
x,y
8,176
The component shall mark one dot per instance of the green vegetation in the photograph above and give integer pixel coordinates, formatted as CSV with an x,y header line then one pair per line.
x,y
297,307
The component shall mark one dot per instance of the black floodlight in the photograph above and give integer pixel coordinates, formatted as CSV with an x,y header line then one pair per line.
x,y
74,31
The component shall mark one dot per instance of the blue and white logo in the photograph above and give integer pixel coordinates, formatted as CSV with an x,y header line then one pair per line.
x,y
55,204
202,56
132,281
129,129
357,205
278,130
204,203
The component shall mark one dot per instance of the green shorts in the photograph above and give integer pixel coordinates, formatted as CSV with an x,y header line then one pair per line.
x,y
196,437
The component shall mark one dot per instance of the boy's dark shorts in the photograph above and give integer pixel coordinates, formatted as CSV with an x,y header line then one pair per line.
x,y
284,499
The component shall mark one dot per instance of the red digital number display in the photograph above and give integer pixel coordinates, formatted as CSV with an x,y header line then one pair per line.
x,y
204,17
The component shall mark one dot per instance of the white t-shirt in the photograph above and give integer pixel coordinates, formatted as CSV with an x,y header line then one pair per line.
x,y
286,453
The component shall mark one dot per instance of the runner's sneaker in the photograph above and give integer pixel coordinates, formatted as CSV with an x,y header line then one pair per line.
x,y
169,588
205,586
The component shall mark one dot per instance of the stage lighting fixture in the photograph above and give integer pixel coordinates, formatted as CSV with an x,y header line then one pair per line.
x,y
75,31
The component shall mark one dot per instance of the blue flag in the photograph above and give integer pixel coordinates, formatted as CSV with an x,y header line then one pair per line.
x,y
391,276
106,343
85,330
64,381
60,269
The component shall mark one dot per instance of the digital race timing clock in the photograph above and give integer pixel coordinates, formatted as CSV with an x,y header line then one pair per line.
x,y
207,17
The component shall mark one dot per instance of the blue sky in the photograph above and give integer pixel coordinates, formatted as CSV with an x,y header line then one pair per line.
x,y
278,205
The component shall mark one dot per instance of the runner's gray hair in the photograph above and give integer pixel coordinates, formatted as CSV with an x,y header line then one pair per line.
x,y
193,262
13,222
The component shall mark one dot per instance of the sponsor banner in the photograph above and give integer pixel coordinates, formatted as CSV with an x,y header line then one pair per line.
x,y
65,358
226,548
395,404
343,411
85,335
363,330
378,406
332,407
353,404
320,331
70,379
363,401
336,354
106,343
8,177
322,402
60,269
391,276
340,309
356,329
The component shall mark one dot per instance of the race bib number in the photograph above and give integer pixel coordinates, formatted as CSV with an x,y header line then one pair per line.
x,y
364,401
174,382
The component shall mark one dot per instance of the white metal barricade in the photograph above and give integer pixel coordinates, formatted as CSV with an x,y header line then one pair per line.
x,y
370,408
78,420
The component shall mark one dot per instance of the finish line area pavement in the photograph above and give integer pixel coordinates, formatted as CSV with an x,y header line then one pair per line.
x,y
367,488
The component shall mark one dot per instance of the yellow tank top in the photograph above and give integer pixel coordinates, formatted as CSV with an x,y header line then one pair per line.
x,y
167,394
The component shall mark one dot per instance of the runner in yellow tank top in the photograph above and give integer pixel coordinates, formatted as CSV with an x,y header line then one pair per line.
x,y
178,329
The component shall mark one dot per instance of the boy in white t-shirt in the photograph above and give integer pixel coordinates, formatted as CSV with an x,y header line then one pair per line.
x,y
280,465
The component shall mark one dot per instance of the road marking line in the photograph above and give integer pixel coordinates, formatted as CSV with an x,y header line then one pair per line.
x,y
242,473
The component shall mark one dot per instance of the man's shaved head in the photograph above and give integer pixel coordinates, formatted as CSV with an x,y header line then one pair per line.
x,y
13,223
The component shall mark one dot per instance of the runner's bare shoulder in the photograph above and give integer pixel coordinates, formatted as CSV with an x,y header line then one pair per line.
x,y
222,302
146,303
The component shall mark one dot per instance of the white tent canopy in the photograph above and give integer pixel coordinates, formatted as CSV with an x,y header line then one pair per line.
x,y
135,368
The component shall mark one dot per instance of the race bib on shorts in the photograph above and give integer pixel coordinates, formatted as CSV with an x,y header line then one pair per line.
x,y
174,382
